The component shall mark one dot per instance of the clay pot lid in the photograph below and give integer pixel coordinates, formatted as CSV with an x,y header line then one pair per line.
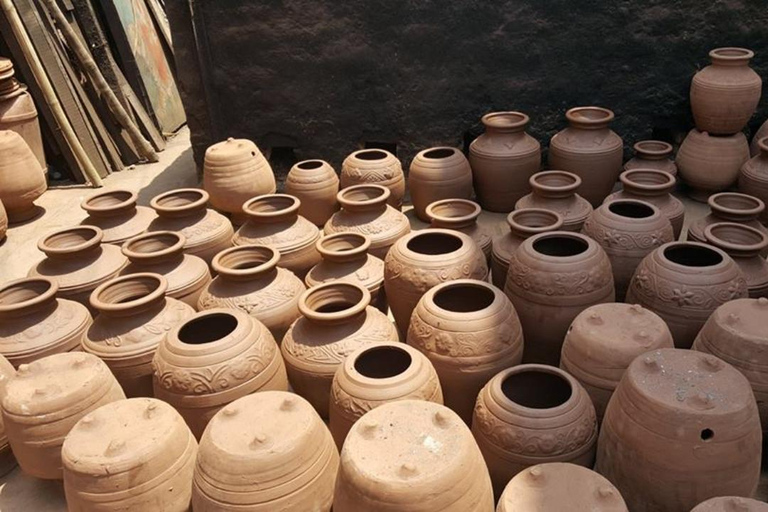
x,y
531,221
364,196
71,241
650,180
26,293
731,504
734,203
653,149
155,245
245,261
129,293
731,55
506,121
343,246
231,151
736,238
272,207
453,211
561,183
334,302
180,202
589,117
110,202
746,318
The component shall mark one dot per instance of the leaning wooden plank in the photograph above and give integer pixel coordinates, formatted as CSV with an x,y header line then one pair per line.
x,y
161,22
146,124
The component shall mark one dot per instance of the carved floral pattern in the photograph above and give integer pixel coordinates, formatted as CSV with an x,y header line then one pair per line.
x,y
576,282
431,339
378,174
628,241
280,292
56,324
389,221
301,230
425,278
104,331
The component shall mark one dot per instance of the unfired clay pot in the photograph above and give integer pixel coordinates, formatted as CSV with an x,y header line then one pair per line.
x,y
18,112
729,207
652,154
754,148
460,215
710,163
438,173
470,331
412,456
115,212
3,222
667,466
316,185
556,191
731,504
375,166
7,460
21,177
753,178
743,244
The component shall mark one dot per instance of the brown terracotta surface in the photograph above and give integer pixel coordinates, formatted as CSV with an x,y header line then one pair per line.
x,y
115,212
754,146
652,154
3,222
556,191
18,112
744,244
7,460
729,207
711,163
438,173
21,177
731,504
460,215
753,178
375,166
316,185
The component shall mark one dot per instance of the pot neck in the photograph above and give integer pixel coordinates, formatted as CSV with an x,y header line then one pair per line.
x,y
653,150
110,204
364,198
731,57
736,240
130,295
647,182
72,243
735,207
344,247
185,202
246,263
155,247
334,303
505,122
272,209
589,118
453,213
27,296
555,184
763,145
527,222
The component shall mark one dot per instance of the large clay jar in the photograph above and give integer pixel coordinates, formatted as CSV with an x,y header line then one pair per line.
x,y
753,177
552,278
135,454
652,154
375,375
460,215
3,222
335,321
21,178
18,112
423,259
589,149
503,159
250,279
731,504
213,358
274,221
667,466
375,166
316,185
364,209
134,316
7,460
438,173
743,244
115,212
46,399
729,207
710,163
602,342
556,191
470,331
627,230
412,456
725,94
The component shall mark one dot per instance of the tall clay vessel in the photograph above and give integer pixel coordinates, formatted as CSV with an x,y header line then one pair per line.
x,y
18,112
729,207
115,212
7,460
438,173
652,154
556,191
460,215
375,166
21,177
316,185
731,504
753,177
711,163
743,244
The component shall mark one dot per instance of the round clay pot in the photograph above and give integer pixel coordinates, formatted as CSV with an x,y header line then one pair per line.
x,y
212,359
503,159
731,504
754,147
21,177
135,454
667,465
412,456
603,340
460,215
725,94
364,209
285,461
134,316
556,191
710,163
729,207
375,166
45,399
274,221
552,278
375,375
7,460
3,222
18,112
470,331
335,321
627,230
438,173
316,185
115,212
753,177
743,244
652,154
250,280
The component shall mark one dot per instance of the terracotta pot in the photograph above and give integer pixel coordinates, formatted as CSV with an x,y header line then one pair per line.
x,y
753,177
603,340
729,207
711,163
134,317
731,504
375,166
274,221
345,258
115,212
556,191
652,154
18,112
287,460
375,375
335,321
135,454
45,400
664,465
21,177
743,244
470,331
364,209
460,215
438,173
3,222
213,358
316,185
589,149
627,230
552,278
394,459
754,147
725,94
7,460
35,324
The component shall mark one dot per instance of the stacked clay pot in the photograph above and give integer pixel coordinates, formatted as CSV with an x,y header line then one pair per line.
x,y
21,177
460,215
316,185
710,163
503,159
378,167
3,222
115,212
753,177
286,461
556,191
731,504
652,154
7,460
729,207
438,173
754,146
44,401
18,112
470,331
667,465
412,456
744,244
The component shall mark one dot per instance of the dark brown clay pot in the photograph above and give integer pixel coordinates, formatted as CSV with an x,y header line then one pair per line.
x,y
744,244
556,191
7,460
754,148
460,215
21,178
316,185
438,173
375,166
18,112
115,212
652,154
729,207
710,163
753,177
3,222
731,504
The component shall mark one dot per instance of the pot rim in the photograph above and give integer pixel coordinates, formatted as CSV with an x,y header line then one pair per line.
x,y
355,309
127,202
511,120
404,241
287,205
591,244
96,236
498,297
48,294
300,165
714,202
626,179
351,236
424,153
731,54
655,212
380,199
516,225
356,376
194,204
726,245
645,147
508,405
271,259
469,217
678,243
130,252
762,143
98,303
603,116
571,187
357,153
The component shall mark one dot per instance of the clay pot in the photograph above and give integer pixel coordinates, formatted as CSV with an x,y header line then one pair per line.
x,y
395,458
135,454
652,154
345,258
460,215
743,244
3,222
21,177
213,358
711,163
134,316
274,221
603,340
729,207
438,173
589,149
667,466
364,209
375,166
35,324
503,159
45,400
731,504
754,147
627,230
115,212
753,177
316,185
470,331
7,460
18,112
552,278
725,94
375,375
556,191
335,321
287,460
